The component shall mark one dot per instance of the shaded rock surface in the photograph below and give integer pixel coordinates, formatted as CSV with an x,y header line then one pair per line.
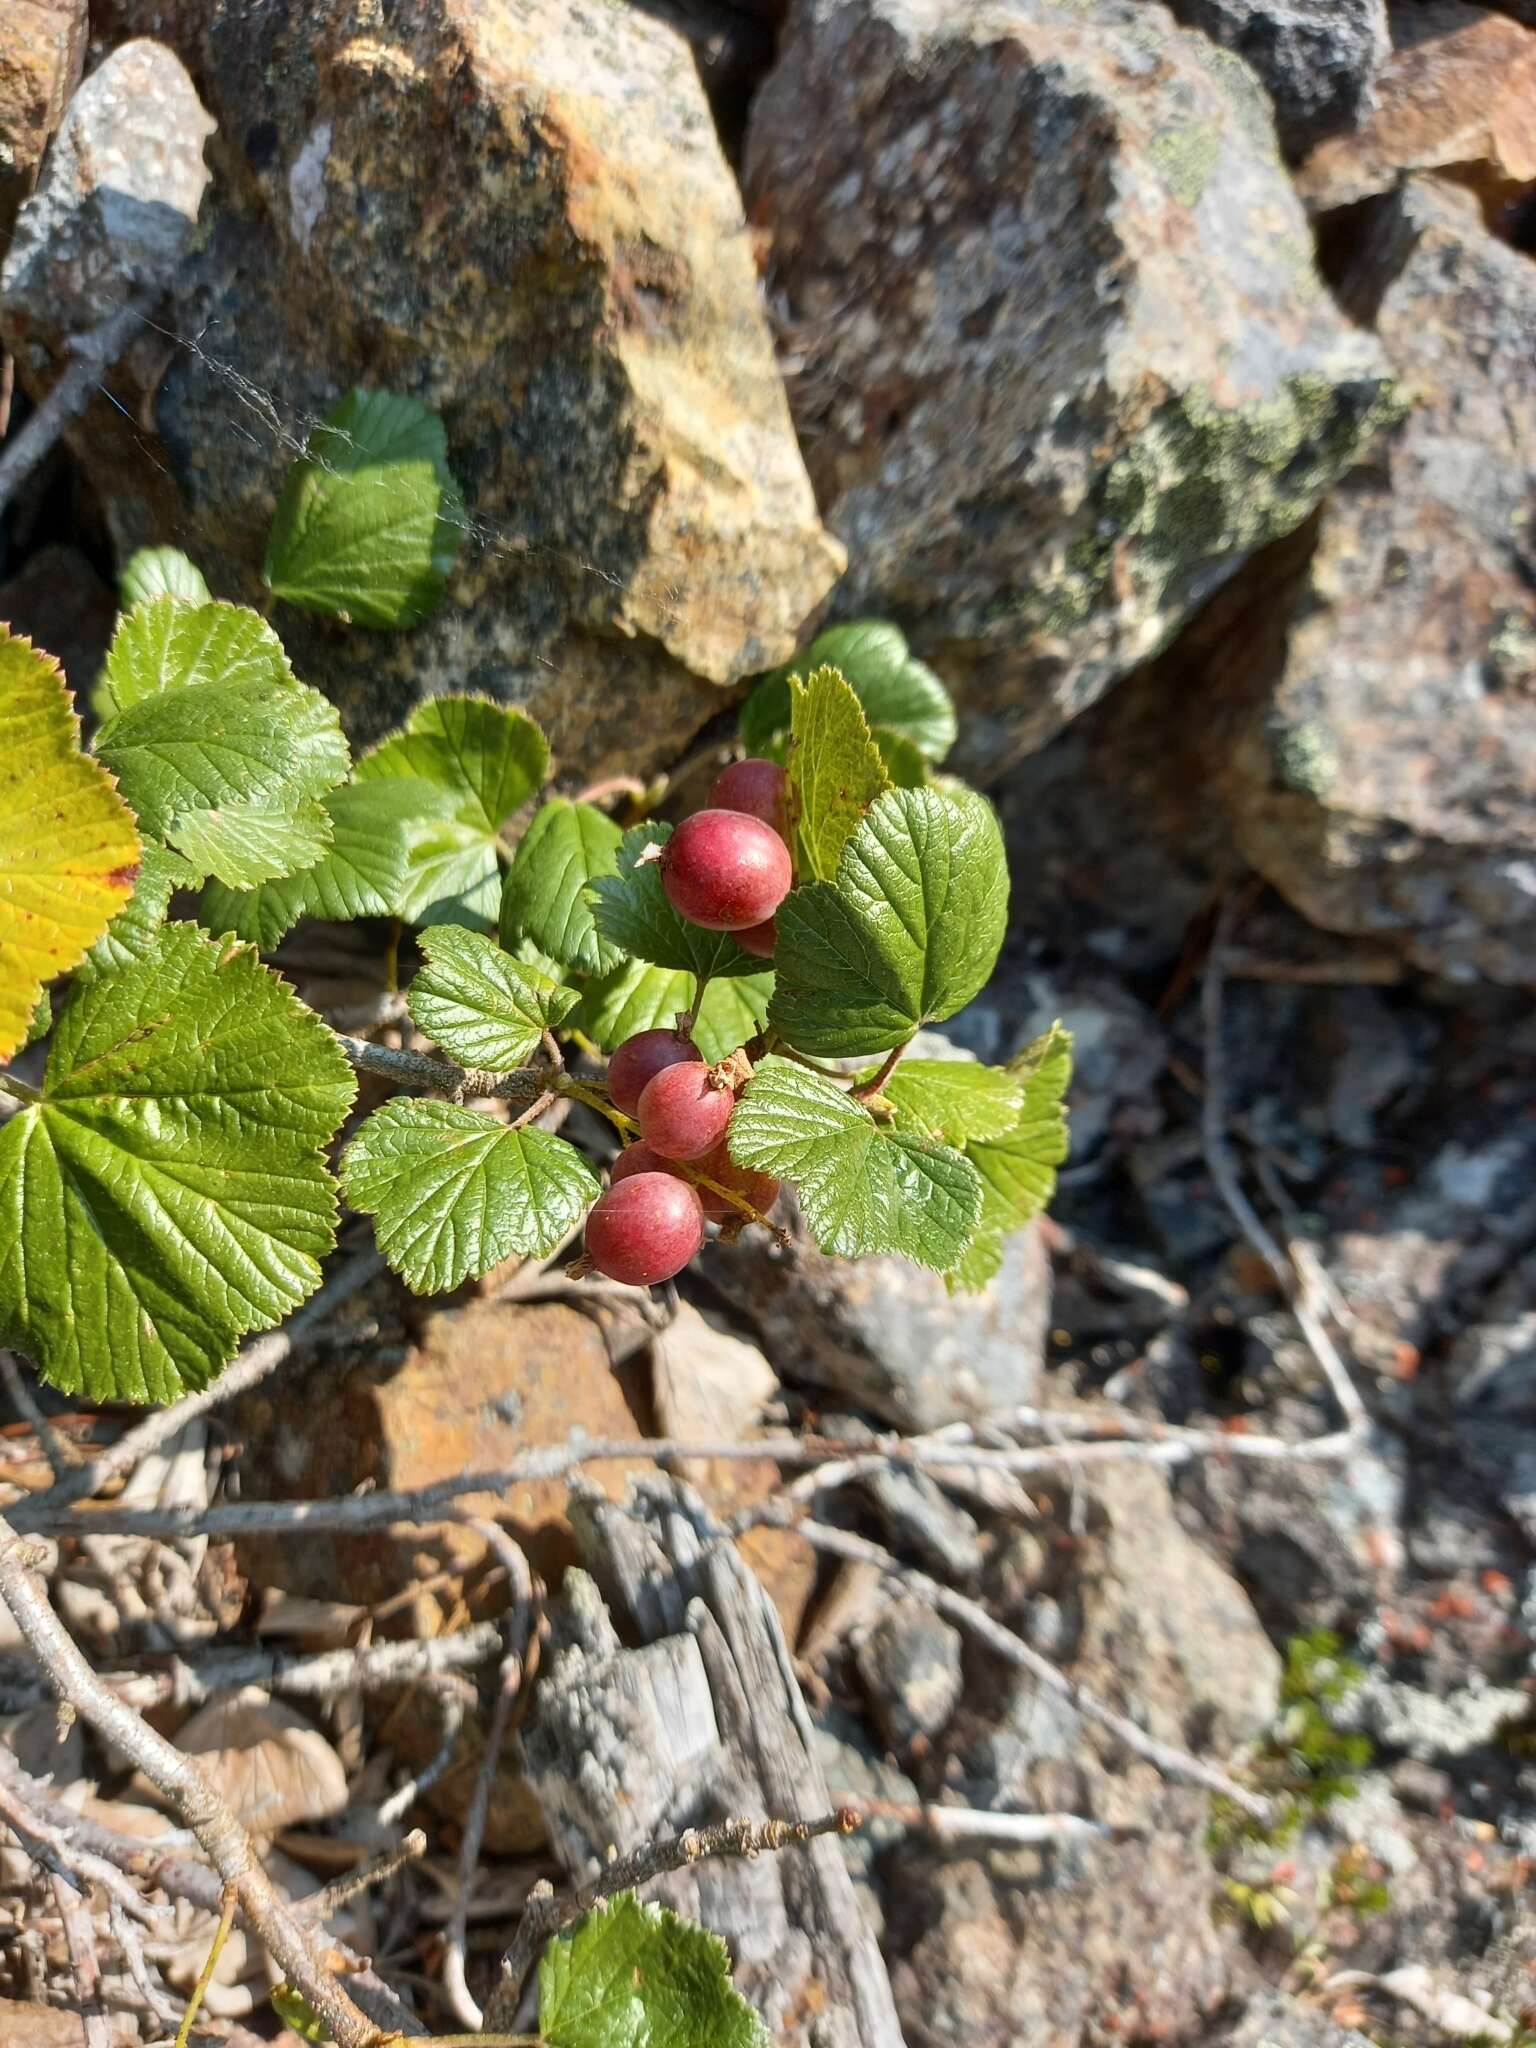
x,y
885,1334
571,287
1317,58
1060,360
1372,739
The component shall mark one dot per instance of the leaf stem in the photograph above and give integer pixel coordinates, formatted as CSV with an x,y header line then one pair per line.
x,y
566,1084
226,1922
536,1108
801,1060
612,785
22,1090
888,1067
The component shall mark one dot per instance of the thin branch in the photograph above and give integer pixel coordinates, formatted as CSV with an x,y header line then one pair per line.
x,y
205,1975
419,1070
453,1699
93,354
968,1614
60,1456
251,1367
130,1947
970,1823
374,1667
52,1847
547,1911
180,1780
84,1962
1224,1173
334,1896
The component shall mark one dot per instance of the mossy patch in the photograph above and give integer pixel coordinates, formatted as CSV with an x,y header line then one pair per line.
x,y
1186,154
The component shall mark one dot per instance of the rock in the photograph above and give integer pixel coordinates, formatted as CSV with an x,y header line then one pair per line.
x,y
1459,95
910,1665
1274,2021
1165,1630
1318,59
572,288
855,1771
919,1516
1315,1545
482,1384
116,207
1061,1947
1372,736
1061,359
1433,1729
884,1333
59,602
42,47
1492,1365
24,2025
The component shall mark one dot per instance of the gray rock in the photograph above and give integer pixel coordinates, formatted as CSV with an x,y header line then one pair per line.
x,y
884,1333
919,1516
1274,2021
520,215
1493,1362
117,204
42,47
855,1770
1373,736
1061,357
1429,1727
1317,59
910,1664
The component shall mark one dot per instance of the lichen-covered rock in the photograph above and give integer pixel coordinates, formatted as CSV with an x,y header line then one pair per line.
x,y
117,203
1459,95
1061,359
1317,58
42,46
1374,740
520,215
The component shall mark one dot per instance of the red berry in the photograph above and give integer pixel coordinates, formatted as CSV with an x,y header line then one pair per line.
x,y
637,1158
760,1189
759,939
756,787
638,1058
725,870
645,1229
683,1114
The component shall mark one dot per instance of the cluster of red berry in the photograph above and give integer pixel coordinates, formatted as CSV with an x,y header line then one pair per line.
x,y
727,869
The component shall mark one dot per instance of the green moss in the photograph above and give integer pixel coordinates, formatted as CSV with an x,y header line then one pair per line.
x,y
1306,758
1306,1764
1186,154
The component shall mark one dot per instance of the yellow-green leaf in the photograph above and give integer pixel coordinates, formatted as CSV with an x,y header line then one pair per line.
x,y
835,770
69,849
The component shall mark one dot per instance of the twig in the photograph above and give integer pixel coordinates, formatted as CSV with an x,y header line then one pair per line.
x,y
888,1066
60,1456
93,354
970,1823
52,1847
509,1684
452,1700
334,1896
84,1962
419,1070
248,1370
548,1911
205,1976
1224,1173
131,1948
179,1779
968,1614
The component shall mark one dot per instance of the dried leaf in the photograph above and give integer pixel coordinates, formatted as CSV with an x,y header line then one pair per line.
x,y
272,1765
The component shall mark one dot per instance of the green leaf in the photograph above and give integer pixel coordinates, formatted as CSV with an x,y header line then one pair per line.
x,y
69,853
895,689
637,997
905,936
470,764
361,875
953,1100
480,1005
633,1976
219,750
634,917
167,644
161,874
453,1192
1018,1168
367,525
169,1193
904,763
835,770
545,896
864,1188
161,572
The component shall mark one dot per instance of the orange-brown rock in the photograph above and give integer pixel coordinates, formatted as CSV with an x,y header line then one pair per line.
x,y
42,44
1458,96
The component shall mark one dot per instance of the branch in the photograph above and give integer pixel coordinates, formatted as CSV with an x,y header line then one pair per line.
x,y
59,1456
971,1823
84,1962
1224,1173
93,354
419,1070
547,1911
178,1778
968,1614
248,1370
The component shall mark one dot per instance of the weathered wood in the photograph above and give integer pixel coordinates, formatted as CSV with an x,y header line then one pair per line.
x,y
701,1721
